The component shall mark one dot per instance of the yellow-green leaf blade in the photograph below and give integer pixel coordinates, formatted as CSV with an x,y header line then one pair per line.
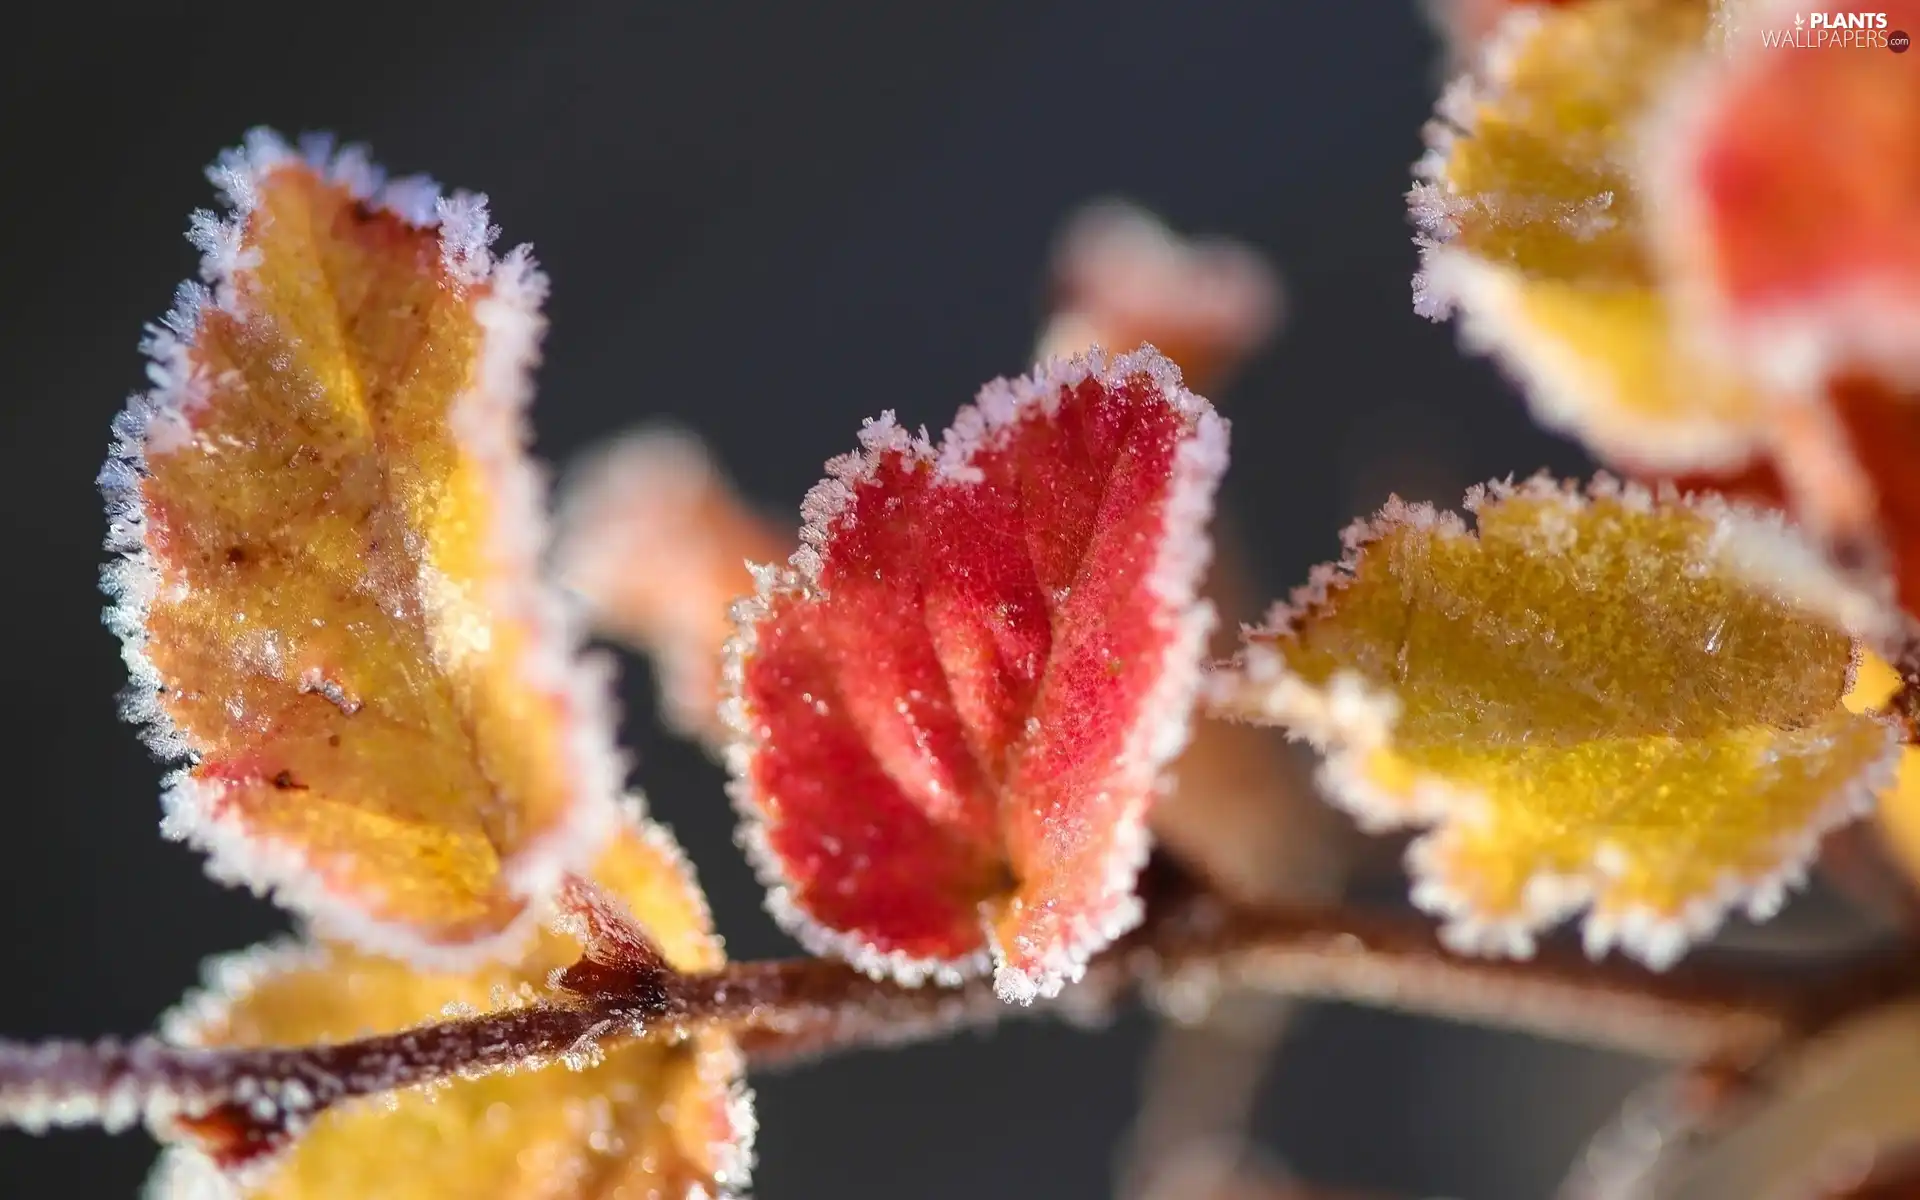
x,y
1585,701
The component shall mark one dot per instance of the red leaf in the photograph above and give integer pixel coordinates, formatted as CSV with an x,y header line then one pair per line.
x,y
1786,200
953,710
1783,182
1883,430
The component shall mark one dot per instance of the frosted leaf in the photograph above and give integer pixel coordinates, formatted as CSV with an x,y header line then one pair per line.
x,y
1781,180
1533,229
1583,702
330,593
953,711
662,1116
658,544
1466,24
1614,205
1121,278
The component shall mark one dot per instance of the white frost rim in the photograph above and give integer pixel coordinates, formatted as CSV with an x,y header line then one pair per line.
x,y
1348,719
488,420
1559,388
1161,730
1795,347
227,980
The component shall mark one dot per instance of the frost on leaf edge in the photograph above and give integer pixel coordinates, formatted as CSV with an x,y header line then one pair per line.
x,y
1114,262
183,1172
489,420
1795,346
1452,282
1158,736
1347,720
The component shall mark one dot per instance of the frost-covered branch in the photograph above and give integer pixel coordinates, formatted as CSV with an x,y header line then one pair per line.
x,y
1395,960
244,1102
1319,952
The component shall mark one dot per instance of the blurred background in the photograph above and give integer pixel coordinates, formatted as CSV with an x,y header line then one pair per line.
x,y
767,222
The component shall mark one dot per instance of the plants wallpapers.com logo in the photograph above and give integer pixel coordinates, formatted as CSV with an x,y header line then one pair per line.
x,y
1838,31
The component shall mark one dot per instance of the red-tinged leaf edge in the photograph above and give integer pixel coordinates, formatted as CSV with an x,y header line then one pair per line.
x,y
490,420
1864,320
1160,730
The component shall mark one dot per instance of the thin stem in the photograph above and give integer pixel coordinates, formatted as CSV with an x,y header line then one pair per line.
x,y
1396,961
245,1102
1200,1086
1329,952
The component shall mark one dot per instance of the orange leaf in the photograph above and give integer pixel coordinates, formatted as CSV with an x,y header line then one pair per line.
x,y
1122,278
1784,190
657,542
330,595
645,1118
1785,187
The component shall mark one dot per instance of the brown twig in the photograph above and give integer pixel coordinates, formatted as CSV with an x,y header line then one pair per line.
x,y
245,1102
1394,960
1841,1067
1200,1086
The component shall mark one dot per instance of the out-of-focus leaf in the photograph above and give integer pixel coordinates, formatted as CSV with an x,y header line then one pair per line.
x,y
666,1118
330,593
1785,199
954,709
1784,181
657,542
1585,702
1686,227
1122,278
1835,1116
1899,809
1533,224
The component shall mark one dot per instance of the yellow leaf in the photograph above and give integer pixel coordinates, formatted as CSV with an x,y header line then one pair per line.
x,y
1584,702
649,1118
1899,809
1875,684
1899,814
331,596
1534,224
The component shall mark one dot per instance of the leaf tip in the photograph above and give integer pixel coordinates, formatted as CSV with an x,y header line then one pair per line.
x,y
1122,277
463,579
